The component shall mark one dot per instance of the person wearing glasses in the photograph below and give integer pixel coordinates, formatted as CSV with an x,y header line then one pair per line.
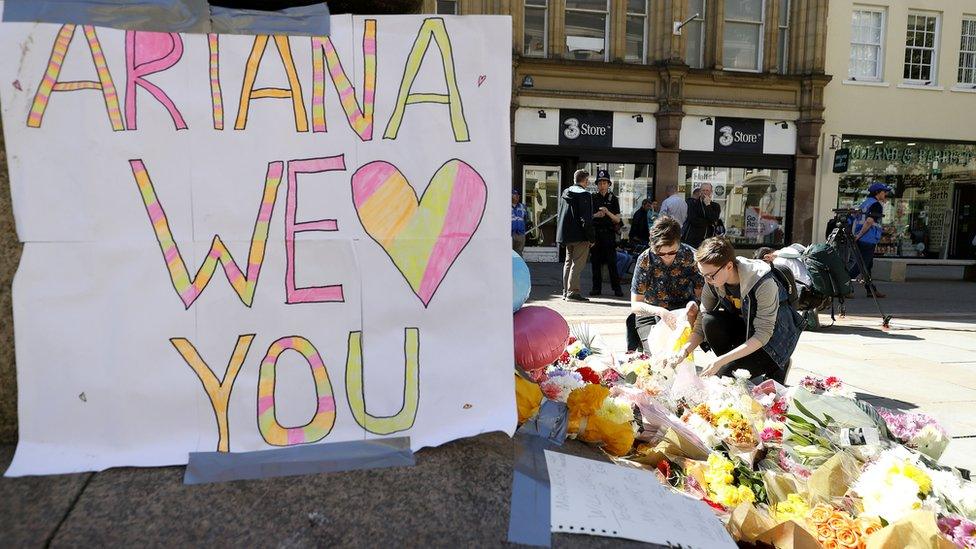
x,y
665,279
746,316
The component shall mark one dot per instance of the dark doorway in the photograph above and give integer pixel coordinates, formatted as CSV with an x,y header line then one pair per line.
x,y
964,227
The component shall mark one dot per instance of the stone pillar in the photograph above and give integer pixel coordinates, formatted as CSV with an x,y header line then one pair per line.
x,y
669,116
808,129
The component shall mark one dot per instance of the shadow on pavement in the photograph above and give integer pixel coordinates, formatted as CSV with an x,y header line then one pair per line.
x,y
885,402
868,332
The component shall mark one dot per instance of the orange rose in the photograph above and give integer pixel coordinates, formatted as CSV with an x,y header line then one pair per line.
x,y
824,532
868,525
838,521
848,538
820,513
830,544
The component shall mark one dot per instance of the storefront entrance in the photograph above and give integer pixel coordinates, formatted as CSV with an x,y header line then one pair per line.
x,y
541,188
962,246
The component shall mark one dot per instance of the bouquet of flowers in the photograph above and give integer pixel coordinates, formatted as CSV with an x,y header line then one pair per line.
x,y
916,430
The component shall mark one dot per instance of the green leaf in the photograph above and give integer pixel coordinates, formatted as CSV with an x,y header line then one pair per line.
x,y
631,378
803,410
800,421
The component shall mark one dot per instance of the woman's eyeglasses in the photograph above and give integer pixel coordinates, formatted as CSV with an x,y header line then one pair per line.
x,y
711,276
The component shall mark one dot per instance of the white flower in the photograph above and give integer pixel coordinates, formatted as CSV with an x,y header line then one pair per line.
x,y
931,441
959,492
704,430
742,374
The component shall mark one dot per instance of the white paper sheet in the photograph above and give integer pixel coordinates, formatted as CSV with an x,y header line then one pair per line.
x,y
603,499
105,318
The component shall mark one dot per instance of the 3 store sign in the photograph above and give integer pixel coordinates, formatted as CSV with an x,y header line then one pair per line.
x,y
586,128
743,135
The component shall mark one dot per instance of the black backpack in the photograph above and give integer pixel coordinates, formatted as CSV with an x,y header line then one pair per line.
x,y
828,272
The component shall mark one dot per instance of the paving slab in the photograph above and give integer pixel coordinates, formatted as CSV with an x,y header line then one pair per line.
x,y
31,508
456,495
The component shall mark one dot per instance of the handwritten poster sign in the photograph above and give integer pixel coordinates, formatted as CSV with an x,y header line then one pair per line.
x,y
238,243
602,499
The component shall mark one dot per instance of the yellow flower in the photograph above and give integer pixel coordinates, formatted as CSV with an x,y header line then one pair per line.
x,y
919,476
616,411
528,398
617,438
794,508
584,402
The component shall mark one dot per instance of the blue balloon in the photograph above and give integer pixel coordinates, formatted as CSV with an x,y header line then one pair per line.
x,y
521,282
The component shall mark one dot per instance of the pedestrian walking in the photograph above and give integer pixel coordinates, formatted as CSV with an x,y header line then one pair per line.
x,y
519,214
606,219
575,232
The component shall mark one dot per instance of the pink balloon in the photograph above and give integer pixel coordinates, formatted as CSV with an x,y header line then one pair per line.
x,y
541,336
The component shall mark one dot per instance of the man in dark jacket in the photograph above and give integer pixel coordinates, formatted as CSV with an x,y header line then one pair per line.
x,y
639,224
703,217
606,219
575,231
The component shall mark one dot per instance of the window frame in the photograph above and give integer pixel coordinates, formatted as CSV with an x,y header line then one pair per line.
x,y
437,4
879,76
545,27
933,80
606,29
627,15
783,31
759,47
966,18
701,37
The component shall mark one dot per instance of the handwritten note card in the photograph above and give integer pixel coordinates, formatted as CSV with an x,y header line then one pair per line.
x,y
603,499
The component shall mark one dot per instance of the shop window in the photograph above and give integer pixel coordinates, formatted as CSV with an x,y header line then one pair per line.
x,y
921,49
447,7
536,27
694,33
867,44
632,183
636,31
586,29
540,194
784,35
967,52
918,220
752,202
742,40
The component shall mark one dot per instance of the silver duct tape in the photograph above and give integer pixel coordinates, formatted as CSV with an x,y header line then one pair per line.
x,y
310,20
550,423
208,467
188,16
529,521
144,15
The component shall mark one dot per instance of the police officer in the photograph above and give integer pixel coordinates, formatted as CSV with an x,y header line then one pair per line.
x,y
606,219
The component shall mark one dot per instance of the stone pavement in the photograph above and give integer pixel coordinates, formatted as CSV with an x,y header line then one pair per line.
x,y
925,362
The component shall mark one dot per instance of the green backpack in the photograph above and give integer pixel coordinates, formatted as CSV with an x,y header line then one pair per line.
x,y
827,271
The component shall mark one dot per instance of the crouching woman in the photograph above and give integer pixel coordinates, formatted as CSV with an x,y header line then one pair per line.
x,y
746,316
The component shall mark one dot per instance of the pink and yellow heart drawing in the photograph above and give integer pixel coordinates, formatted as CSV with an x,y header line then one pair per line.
x,y
422,236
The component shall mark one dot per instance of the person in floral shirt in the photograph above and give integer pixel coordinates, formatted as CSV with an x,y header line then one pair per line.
x,y
666,278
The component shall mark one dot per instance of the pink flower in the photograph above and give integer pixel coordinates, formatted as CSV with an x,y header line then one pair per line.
x,y
610,376
959,530
551,390
769,434
778,410
832,382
